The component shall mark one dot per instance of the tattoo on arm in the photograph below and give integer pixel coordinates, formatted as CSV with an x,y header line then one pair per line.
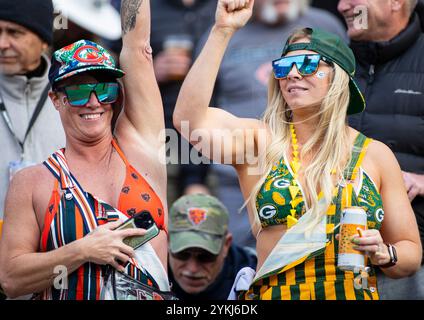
x,y
129,12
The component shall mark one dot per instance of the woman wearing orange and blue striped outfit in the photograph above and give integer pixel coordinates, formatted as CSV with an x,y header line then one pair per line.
x,y
301,165
60,217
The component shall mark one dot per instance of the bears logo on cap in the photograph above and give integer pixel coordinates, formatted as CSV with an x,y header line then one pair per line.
x,y
81,56
197,216
89,54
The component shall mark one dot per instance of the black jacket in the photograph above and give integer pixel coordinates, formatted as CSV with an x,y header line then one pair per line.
x,y
237,259
391,76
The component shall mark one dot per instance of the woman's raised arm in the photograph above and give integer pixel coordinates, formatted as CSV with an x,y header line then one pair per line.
x,y
143,104
192,111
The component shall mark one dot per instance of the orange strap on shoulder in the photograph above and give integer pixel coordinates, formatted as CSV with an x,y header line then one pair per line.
x,y
121,154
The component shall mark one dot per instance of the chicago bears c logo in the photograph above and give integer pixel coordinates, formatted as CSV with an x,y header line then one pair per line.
x,y
88,54
196,216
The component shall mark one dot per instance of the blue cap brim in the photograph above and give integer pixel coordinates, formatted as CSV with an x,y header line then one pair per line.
x,y
113,71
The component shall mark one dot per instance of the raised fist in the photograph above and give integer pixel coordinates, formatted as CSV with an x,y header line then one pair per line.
x,y
233,14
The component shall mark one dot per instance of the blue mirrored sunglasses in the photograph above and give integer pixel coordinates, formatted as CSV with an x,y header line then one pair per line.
x,y
78,95
306,65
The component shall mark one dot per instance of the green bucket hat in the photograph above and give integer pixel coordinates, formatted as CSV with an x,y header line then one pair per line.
x,y
197,221
334,49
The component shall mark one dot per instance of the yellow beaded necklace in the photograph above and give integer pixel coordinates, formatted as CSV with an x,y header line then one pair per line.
x,y
294,188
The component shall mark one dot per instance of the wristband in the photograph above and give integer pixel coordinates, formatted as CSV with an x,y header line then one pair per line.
x,y
393,256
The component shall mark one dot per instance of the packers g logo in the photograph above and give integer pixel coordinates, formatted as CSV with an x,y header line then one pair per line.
x,y
379,215
281,183
268,211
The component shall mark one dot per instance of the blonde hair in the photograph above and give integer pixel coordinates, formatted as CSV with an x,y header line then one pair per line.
x,y
330,139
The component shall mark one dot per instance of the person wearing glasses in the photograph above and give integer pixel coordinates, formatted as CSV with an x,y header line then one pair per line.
x,y
301,165
203,261
241,85
29,130
59,230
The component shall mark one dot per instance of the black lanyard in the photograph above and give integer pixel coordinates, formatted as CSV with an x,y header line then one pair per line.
x,y
34,117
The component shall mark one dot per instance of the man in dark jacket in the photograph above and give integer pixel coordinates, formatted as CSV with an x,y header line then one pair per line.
x,y
388,42
203,262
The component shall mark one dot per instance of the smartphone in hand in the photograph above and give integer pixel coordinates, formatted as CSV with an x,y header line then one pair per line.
x,y
142,220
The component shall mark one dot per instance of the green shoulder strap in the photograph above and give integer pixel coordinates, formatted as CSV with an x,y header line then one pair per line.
x,y
358,152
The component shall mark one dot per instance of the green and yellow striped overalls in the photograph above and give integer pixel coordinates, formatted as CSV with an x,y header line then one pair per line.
x,y
316,276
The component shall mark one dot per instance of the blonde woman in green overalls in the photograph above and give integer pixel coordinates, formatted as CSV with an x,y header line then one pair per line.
x,y
301,165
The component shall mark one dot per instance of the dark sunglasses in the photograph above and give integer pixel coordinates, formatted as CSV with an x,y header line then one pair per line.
x,y
201,256
306,65
78,95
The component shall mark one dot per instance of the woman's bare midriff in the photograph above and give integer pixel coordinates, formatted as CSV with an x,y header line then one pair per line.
x,y
266,241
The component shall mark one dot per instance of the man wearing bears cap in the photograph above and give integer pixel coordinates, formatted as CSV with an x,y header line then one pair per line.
x,y
203,261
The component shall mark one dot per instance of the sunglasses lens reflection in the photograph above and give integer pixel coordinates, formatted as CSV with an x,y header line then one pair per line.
x,y
306,64
79,95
